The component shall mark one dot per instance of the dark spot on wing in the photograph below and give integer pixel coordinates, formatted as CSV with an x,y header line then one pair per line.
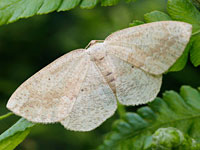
x,y
109,73
112,80
101,58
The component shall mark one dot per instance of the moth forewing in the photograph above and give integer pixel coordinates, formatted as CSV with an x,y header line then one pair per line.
x,y
153,47
48,96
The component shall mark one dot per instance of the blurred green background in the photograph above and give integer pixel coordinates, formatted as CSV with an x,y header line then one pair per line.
x,y
30,44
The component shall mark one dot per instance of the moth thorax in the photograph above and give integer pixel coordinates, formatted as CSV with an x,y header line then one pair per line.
x,y
96,52
104,64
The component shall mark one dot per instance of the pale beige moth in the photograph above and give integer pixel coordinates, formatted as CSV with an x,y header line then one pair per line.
x,y
80,89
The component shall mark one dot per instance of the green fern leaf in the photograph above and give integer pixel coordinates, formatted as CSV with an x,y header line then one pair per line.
x,y
134,130
172,138
46,7
184,10
196,3
89,4
136,23
109,2
195,51
68,4
15,135
13,10
156,16
182,61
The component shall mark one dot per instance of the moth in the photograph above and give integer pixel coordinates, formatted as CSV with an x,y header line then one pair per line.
x,y
80,89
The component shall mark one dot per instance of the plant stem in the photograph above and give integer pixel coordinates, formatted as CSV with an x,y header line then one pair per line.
x,y
6,115
196,32
121,110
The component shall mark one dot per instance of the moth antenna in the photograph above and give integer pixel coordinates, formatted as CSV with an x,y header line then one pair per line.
x,y
93,42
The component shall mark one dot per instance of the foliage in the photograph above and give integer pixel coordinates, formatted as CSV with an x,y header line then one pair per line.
x,y
136,23
196,3
13,10
195,51
5,116
156,16
184,10
135,130
172,138
15,135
